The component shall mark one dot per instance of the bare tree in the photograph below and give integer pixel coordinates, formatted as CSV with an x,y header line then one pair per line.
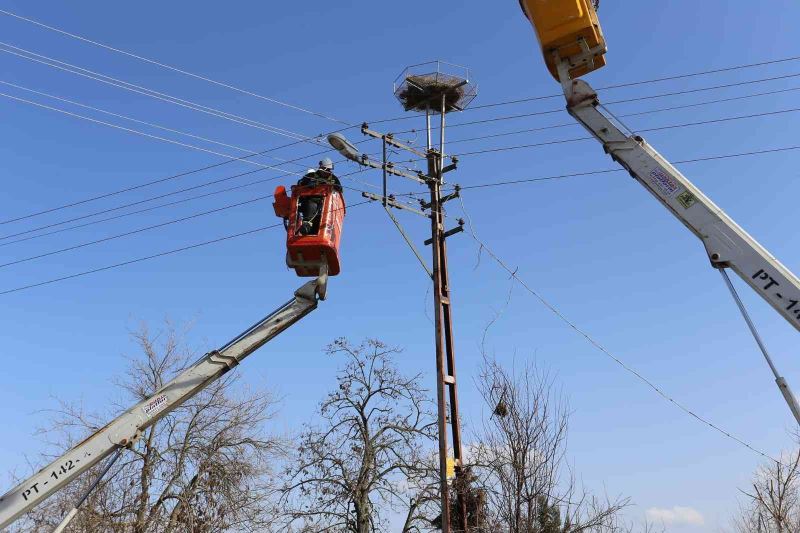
x,y
519,456
773,503
204,468
368,455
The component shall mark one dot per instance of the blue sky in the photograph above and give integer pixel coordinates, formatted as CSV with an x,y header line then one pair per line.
x,y
599,247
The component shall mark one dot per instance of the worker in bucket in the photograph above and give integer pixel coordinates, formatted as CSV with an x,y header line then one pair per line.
x,y
310,206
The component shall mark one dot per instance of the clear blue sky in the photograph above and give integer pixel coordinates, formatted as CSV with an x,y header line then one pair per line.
x,y
598,246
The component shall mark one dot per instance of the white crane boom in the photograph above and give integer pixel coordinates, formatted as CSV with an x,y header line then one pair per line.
x,y
128,427
726,243
573,44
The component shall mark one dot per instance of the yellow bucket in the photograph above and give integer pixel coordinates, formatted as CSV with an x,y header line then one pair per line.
x,y
560,25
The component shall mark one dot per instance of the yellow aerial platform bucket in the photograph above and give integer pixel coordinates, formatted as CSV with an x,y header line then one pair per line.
x,y
571,28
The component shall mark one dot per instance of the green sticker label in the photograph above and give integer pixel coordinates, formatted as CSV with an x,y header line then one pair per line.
x,y
687,199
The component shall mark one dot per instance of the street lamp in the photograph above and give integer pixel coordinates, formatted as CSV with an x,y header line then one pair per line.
x,y
344,147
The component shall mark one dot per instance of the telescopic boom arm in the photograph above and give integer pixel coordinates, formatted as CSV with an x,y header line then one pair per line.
x,y
128,427
573,44
726,243
728,246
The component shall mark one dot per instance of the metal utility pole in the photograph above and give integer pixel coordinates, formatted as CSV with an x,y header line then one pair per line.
x,y
446,390
429,89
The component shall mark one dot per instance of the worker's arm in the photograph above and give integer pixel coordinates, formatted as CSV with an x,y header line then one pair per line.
x,y
128,427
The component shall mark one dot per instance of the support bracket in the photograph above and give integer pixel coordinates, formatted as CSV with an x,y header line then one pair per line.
x,y
392,202
450,232
390,140
452,196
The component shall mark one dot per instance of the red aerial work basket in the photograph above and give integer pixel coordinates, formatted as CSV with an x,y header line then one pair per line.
x,y
313,215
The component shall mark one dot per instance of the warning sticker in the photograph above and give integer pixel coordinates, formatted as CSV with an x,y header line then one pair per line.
x,y
664,182
155,405
687,199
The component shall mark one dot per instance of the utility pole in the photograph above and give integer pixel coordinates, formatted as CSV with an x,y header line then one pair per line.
x,y
431,88
446,390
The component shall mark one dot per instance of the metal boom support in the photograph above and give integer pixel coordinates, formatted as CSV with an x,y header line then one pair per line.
x,y
727,244
128,427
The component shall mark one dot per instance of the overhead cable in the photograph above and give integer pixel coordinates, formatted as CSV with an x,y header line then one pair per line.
x,y
611,170
627,115
134,232
624,101
175,69
139,259
609,87
409,194
152,198
152,227
153,256
142,185
139,211
250,153
116,82
136,120
132,204
649,81
660,128
596,344
496,119
143,134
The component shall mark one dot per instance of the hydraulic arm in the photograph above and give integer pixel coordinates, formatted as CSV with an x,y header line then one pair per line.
x,y
726,243
126,429
572,44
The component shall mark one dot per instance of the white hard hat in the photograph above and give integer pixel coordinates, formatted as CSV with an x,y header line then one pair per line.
x,y
326,164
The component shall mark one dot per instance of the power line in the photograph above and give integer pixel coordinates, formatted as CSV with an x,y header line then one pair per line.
x,y
607,171
741,154
723,119
153,256
474,186
139,259
131,204
139,211
649,81
625,115
705,89
165,179
522,146
132,119
661,128
142,133
319,153
146,184
146,228
543,178
133,232
591,340
152,198
139,202
164,139
617,86
707,102
116,82
175,69
626,100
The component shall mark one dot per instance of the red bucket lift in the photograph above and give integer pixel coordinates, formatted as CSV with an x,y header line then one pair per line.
x,y
313,216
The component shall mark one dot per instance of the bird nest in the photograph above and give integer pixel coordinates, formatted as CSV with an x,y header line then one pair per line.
x,y
420,92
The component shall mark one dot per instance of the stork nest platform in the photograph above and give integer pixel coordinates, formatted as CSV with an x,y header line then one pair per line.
x,y
422,87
